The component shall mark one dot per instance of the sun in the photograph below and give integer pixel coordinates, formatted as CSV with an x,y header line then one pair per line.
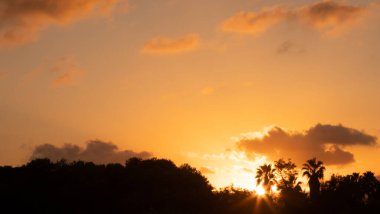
x,y
260,191
274,189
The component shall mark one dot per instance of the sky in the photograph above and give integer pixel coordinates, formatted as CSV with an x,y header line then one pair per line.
x,y
224,85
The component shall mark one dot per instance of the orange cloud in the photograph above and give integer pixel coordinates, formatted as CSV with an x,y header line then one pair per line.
x,y
328,17
163,45
205,170
66,78
254,23
22,20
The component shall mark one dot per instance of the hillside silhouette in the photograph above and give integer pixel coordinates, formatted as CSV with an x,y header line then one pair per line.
x,y
159,186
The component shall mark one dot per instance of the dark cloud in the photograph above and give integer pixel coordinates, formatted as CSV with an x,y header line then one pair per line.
x,y
96,151
331,16
338,134
326,142
22,20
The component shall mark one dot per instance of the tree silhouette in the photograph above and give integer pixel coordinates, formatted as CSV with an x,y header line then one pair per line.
x,y
313,169
370,185
291,199
159,186
354,193
265,176
286,171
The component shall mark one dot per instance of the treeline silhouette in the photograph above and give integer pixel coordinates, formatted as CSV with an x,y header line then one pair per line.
x,y
159,186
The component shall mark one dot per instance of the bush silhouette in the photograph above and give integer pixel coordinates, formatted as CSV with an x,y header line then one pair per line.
x,y
159,186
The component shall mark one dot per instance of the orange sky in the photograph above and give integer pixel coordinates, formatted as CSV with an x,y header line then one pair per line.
x,y
186,79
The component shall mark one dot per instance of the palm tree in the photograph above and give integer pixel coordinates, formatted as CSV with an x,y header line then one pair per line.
x,y
265,175
313,170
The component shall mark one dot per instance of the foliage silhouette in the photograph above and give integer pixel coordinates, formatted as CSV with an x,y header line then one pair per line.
x,y
355,193
291,198
159,186
141,186
287,172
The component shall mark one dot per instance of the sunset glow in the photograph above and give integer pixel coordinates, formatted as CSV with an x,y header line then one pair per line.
x,y
260,190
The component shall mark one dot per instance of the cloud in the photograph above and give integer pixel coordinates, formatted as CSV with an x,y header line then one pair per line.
x,y
22,20
247,170
96,151
163,45
205,170
61,72
331,17
66,71
326,142
285,47
289,47
254,23
328,17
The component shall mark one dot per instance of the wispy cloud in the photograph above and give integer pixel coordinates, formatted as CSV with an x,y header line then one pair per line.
x,y
59,72
205,170
285,47
247,170
289,46
66,71
328,17
22,20
165,45
96,151
324,141
254,23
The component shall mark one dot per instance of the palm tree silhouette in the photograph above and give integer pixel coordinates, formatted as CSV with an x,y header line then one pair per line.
x,y
313,170
265,175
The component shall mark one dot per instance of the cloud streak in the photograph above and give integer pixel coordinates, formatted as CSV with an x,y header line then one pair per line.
x,y
95,151
285,47
328,17
205,170
254,23
22,20
66,71
164,45
324,141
